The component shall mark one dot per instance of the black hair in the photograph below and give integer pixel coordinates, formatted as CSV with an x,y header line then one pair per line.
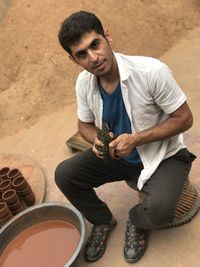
x,y
75,26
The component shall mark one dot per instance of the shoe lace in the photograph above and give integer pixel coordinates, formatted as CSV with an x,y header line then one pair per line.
x,y
98,235
131,234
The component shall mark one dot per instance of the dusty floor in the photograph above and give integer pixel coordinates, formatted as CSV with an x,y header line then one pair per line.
x,y
38,110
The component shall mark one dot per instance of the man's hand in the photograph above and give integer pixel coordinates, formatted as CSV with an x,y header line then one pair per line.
x,y
122,146
177,122
98,153
102,149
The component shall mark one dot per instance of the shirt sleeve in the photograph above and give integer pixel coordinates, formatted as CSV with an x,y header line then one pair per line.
x,y
166,92
84,112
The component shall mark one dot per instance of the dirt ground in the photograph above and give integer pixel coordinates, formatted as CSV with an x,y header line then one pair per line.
x,y
36,77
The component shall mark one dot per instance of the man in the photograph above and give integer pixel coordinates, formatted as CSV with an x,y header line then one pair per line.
x,y
146,111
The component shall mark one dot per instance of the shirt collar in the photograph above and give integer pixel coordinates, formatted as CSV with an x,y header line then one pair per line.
x,y
123,70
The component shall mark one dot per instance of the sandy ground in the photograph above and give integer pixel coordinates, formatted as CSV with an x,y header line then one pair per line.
x,y
35,73
37,101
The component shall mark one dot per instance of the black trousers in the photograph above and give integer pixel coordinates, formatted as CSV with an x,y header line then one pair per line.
x,y
78,176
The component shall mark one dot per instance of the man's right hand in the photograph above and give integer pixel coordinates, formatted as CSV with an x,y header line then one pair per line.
x,y
98,153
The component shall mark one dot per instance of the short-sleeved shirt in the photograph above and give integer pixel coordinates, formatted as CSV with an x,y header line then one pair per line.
x,y
150,93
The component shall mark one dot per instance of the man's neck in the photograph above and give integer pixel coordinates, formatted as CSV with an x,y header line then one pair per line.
x,y
109,82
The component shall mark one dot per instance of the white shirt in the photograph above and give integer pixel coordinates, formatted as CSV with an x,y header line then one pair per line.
x,y
149,92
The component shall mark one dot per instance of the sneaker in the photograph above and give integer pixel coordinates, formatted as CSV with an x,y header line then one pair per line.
x,y
135,242
96,243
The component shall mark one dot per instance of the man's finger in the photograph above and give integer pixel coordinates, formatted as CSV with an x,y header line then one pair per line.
x,y
112,152
111,134
98,154
113,143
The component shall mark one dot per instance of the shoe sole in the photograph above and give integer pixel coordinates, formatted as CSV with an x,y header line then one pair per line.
x,y
100,255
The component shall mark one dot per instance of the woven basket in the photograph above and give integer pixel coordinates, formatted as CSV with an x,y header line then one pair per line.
x,y
187,206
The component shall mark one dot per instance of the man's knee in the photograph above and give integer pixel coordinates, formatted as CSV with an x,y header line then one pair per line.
x,y
160,211
62,174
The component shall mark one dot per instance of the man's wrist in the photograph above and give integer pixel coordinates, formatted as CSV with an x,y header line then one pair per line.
x,y
136,139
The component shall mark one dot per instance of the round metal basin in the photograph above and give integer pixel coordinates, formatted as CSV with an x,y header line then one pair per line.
x,y
40,213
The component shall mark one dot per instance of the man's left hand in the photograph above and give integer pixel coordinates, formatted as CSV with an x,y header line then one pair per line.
x,y
122,146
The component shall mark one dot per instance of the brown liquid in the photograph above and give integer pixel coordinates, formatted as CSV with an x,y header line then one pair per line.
x,y
46,244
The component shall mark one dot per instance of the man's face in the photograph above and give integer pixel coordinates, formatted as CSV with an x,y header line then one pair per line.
x,y
93,53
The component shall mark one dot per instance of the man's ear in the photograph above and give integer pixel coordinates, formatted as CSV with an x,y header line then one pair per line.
x,y
108,36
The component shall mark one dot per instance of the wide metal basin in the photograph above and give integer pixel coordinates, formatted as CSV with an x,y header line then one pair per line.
x,y
40,213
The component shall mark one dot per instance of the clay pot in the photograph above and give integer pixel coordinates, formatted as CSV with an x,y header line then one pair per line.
x,y
10,196
5,185
25,192
16,206
20,183
4,172
29,199
4,210
5,219
13,173
19,210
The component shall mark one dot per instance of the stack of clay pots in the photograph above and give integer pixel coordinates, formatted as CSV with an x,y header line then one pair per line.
x,y
15,193
5,213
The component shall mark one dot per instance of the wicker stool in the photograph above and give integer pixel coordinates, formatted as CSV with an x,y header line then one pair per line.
x,y
187,206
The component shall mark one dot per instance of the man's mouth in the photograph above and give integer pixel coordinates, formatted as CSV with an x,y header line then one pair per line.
x,y
96,66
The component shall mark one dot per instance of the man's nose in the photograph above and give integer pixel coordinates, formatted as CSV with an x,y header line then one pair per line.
x,y
92,55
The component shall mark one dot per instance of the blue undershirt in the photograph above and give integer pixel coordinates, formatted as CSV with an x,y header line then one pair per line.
x,y
116,117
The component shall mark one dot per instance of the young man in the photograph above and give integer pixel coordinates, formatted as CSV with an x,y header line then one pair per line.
x,y
146,111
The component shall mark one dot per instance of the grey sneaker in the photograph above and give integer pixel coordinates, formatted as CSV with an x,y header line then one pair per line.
x,y
96,243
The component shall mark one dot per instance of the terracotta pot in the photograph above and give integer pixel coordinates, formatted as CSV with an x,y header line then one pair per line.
x,y
4,210
20,183
29,200
5,185
10,196
5,219
25,192
16,206
19,210
13,173
3,173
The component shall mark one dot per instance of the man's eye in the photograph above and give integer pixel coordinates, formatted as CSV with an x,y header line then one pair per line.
x,y
81,54
95,44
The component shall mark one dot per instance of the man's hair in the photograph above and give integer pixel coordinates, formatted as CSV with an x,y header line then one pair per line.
x,y
75,26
